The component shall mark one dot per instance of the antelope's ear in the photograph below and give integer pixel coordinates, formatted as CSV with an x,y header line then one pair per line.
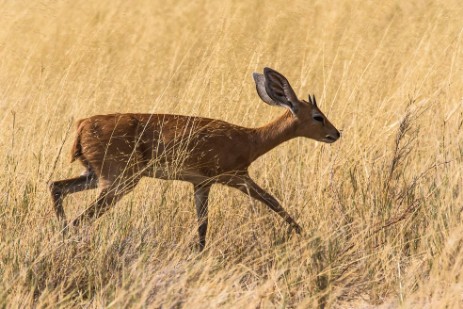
x,y
260,87
274,89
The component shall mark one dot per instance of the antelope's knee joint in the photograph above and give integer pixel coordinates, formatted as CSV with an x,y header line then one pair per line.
x,y
54,190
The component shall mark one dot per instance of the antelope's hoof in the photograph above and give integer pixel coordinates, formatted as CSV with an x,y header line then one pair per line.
x,y
76,222
297,229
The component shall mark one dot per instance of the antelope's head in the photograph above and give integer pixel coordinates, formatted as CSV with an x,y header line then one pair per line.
x,y
309,121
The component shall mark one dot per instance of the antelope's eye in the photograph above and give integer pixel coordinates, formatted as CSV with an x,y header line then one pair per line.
x,y
318,118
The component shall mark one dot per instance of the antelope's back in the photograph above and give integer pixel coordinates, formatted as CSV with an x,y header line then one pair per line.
x,y
202,145
116,143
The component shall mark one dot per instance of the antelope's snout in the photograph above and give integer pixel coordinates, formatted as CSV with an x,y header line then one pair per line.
x,y
331,138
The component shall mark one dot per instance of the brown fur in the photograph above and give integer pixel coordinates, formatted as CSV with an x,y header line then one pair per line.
x,y
117,150
76,150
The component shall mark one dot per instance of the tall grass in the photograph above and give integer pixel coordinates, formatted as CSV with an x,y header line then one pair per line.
x,y
381,208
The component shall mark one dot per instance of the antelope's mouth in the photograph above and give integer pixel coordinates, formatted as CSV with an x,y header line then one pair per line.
x,y
330,139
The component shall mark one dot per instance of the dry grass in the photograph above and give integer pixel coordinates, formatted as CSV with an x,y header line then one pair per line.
x,y
381,208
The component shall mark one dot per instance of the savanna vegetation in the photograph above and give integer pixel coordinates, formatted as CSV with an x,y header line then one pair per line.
x,y
381,209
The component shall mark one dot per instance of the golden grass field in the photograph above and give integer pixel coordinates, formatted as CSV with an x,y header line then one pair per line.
x,y
381,208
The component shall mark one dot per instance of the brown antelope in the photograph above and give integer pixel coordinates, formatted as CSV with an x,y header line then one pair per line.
x,y
118,150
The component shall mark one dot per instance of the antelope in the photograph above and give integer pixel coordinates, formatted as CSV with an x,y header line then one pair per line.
x,y
117,150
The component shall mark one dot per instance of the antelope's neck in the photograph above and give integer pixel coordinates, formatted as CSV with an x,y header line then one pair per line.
x,y
274,133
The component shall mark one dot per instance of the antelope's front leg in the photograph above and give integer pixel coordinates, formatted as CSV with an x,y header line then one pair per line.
x,y
245,184
201,201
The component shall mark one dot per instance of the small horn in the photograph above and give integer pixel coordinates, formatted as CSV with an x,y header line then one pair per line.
x,y
312,100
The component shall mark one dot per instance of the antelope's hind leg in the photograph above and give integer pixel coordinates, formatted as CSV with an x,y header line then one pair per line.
x,y
59,189
111,193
